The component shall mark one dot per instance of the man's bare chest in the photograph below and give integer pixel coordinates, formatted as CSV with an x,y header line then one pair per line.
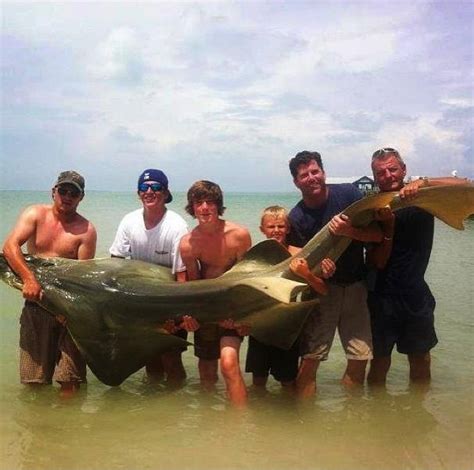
x,y
222,255
54,240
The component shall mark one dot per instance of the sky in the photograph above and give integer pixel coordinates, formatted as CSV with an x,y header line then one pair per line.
x,y
230,91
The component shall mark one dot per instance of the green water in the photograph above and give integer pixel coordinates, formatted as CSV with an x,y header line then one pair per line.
x,y
139,426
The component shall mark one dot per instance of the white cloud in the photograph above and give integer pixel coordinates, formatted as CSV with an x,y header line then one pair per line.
x,y
367,52
119,57
406,133
411,140
463,103
245,84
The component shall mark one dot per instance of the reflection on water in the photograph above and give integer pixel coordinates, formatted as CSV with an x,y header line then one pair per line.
x,y
144,426
142,430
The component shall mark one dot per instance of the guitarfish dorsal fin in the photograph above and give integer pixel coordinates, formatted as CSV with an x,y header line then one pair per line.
x,y
262,256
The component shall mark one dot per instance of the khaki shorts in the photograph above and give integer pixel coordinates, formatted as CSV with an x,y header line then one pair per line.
x,y
344,308
47,350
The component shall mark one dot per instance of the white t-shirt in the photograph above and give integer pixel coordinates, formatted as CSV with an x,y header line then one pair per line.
x,y
159,245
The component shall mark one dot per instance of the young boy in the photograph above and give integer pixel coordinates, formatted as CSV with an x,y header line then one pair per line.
x,y
263,359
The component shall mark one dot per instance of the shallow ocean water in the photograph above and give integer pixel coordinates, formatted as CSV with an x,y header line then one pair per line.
x,y
142,426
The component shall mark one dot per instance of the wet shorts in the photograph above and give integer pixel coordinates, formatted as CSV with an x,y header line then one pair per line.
x,y
207,341
263,359
344,308
47,350
406,320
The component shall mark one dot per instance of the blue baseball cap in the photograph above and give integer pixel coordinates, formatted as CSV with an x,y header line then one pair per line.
x,y
153,174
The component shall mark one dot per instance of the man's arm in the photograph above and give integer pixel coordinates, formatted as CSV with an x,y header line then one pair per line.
x,y
410,190
120,247
244,243
378,255
299,266
87,248
341,225
24,229
170,325
192,273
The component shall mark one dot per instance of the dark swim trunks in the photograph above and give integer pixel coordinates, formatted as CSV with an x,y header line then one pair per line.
x,y
406,320
207,341
263,359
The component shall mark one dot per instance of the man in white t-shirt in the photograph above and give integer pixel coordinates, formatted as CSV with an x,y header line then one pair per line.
x,y
152,234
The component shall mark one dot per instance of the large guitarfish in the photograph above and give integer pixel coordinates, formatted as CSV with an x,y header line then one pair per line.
x,y
114,307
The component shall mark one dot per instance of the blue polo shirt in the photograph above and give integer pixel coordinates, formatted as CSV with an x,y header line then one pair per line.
x,y
411,249
306,222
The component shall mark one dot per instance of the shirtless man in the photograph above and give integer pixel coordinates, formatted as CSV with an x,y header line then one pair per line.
x,y
46,348
208,251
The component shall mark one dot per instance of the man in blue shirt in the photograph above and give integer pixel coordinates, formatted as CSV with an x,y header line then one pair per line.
x,y
345,306
400,301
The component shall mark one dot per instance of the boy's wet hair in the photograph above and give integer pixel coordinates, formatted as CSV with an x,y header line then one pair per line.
x,y
203,190
303,158
277,212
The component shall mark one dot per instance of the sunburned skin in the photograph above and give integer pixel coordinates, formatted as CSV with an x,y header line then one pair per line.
x,y
55,230
216,251
215,245
55,237
49,231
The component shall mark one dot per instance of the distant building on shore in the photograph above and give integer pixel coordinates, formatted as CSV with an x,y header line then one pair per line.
x,y
365,185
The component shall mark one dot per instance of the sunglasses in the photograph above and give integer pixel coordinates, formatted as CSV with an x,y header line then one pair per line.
x,y
380,152
155,187
74,193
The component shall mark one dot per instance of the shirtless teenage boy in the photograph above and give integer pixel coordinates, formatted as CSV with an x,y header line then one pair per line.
x,y
208,251
50,230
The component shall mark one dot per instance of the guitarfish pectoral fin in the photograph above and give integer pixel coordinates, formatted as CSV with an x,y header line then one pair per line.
x,y
114,356
278,288
261,256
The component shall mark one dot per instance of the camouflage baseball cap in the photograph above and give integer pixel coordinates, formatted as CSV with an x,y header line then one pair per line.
x,y
71,177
